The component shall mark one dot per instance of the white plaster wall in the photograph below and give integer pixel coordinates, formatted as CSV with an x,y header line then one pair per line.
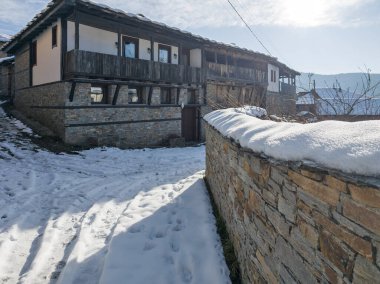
x,y
70,35
273,86
196,58
143,49
48,68
174,51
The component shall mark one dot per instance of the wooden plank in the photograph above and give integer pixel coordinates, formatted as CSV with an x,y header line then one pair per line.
x,y
72,91
116,95
93,64
63,46
76,29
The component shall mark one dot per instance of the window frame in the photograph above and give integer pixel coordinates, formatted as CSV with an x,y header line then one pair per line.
x,y
54,36
168,48
133,40
33,53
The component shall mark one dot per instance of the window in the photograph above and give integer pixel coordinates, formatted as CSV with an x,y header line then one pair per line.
x,y
210,56
135,95
221,58
54,37
33,53
130,47
164,53
273,75
167,96
98,94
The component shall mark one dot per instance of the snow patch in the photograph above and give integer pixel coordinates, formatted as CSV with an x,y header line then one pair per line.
x,y
105,215
252,111
352,147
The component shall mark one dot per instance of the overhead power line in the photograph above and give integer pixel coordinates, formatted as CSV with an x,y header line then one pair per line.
x,y
249,28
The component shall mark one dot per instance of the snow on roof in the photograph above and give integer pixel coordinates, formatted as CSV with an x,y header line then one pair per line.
x,y
6,59
351,147
307,99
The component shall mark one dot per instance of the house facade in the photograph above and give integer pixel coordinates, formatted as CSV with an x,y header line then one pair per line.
x,y
99,76
6,70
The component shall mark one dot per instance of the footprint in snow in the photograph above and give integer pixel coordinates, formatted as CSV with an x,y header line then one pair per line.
x,y
174,244
136,229
187,275
149,246
179,226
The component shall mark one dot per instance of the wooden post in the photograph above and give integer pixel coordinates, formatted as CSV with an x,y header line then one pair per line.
x,y
150,95
76,30
63,47
180,59
119,42
151,49
115,96
72,91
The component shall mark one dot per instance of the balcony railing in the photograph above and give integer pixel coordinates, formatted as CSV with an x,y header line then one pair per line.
x,y
287,89
92,64
222,71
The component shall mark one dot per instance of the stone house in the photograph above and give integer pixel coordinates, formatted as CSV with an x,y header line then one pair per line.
x,y
96,75
6,70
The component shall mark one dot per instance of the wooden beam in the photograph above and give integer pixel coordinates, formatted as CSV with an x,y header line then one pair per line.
x,y
76,30
72,91
151,49
63,46
178,93
30,65
150,95
116,95
119,42
180,57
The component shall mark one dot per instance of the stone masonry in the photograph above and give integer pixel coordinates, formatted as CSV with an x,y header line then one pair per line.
x,y
292,223
81,123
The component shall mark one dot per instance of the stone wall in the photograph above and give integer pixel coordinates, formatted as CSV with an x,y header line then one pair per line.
x,y
280,104
292,223
5,80
81,123
122,127
35,101
22,71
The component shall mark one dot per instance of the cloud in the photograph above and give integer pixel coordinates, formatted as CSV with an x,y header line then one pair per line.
x,y
218,13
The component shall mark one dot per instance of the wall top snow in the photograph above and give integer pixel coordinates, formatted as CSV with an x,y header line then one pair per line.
x,y
345,146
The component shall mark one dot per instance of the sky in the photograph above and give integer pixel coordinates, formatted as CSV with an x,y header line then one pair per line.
x,y
318,36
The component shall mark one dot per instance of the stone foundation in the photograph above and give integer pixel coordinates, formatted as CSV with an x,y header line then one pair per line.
x,y
291,223
280,104
122,125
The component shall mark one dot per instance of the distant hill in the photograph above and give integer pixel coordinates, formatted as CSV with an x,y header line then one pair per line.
x,y
4,37
347,81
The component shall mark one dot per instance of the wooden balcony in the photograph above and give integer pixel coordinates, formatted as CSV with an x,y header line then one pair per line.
x,y
287,89
222,71
87,64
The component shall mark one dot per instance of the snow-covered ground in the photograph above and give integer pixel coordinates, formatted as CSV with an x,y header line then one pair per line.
x,y
351,147
105,215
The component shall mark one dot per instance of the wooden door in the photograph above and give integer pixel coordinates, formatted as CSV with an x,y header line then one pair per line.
x,y
189,124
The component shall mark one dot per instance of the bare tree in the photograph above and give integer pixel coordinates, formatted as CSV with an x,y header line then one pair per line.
x,y
362,101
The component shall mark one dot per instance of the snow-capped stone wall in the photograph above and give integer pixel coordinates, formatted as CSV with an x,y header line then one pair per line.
x,y
294,223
